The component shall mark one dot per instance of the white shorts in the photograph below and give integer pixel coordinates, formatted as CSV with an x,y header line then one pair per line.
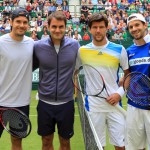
x,y
137,128
114,121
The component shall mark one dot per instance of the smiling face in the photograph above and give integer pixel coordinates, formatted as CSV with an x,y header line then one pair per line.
x,y
98,31
57,30
19,26
137,29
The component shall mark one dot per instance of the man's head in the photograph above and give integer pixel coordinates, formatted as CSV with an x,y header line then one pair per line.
x,y
19,23
96,17
58,15
98,26
57,26
20,12
137,26
136,16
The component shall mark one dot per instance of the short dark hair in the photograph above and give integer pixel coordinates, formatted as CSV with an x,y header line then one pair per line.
x,y
20,12
97,17
57,15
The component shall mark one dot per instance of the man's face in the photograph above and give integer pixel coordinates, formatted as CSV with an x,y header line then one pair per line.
x,y
98,31
137,29
19,26
57,29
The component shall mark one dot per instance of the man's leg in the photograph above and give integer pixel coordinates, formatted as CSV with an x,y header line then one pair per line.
x,y
99,122
65,123
64,143
116,129
135,129
16,143
46,124
119,148
47,142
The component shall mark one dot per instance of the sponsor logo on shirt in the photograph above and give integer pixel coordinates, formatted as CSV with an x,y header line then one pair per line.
x,y
131,55
139,61
100,53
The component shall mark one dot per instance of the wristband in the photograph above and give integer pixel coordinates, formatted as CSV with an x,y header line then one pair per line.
x,y
120,91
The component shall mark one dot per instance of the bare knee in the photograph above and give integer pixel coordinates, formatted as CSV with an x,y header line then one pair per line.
x,y
47,142
119,148
64,143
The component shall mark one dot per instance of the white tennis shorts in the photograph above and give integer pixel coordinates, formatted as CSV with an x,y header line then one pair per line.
x,y
137,128
114,122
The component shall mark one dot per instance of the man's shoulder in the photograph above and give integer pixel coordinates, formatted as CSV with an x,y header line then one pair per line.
x,y
70,41
114,44
42,42
5,38
87,46
130,48
115,47
26,38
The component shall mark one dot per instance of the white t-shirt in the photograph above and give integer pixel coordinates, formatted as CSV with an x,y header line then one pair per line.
x,y
15,71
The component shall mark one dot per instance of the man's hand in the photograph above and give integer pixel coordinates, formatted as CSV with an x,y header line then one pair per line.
x,y
113,99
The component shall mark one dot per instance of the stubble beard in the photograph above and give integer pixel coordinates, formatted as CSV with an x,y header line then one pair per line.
x,y
99,40
140,37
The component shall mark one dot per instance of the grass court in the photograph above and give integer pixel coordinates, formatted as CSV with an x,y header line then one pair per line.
x,y
33,141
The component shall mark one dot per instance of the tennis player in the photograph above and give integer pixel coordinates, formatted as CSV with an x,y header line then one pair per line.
x,y
56,58
107,58
138,118
16,52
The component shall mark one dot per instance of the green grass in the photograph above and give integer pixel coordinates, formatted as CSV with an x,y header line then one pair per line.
x,y
33,141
